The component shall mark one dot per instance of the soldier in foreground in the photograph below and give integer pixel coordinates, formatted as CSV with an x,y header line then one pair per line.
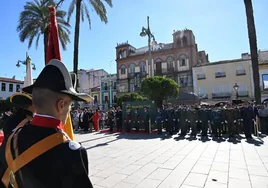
x,y
44,156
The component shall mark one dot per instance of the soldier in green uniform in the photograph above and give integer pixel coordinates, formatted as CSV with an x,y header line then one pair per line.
x,y
177,118
128,120
217,120
183,121
159,120
237,120
136,121
165,117
188,117
230,121
199,119
171,119
146,119
204,113
193,121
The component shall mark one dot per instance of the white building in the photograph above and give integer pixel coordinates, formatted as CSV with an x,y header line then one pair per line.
x,y
9,86
88,79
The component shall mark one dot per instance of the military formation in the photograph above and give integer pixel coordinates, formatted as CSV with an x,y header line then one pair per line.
x,y
225,119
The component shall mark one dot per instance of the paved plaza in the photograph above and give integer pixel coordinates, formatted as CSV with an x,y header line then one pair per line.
x,y
149,161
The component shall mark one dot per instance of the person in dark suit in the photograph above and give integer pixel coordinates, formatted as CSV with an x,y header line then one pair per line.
x,y
50,158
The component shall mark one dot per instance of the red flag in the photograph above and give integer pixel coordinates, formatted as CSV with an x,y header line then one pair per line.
x,y
53,52
53,47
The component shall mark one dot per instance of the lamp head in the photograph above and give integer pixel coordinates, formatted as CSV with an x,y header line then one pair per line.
x,y
18,64
236,87
143,33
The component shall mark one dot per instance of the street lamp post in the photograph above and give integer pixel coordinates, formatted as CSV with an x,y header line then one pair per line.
x,y
236,87
147,32
28,78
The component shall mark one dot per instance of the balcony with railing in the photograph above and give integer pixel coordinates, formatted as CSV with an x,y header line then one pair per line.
x,y
143,74
168,70
221,95
220,74
131,75
240,72
201,76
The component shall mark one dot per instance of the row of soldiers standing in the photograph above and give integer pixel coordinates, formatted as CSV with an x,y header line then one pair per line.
x,y
220,120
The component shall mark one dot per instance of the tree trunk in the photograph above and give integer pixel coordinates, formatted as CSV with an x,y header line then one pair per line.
x,y
45,44
76,38
253,49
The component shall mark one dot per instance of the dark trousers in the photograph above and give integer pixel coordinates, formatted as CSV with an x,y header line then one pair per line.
x,y
111,124
204,128
137,126
247,124
231,128
119,124
193,125
159,126
183,126
128,126
86,125
218,129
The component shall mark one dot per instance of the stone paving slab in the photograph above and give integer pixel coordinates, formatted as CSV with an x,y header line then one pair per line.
x,y
153,161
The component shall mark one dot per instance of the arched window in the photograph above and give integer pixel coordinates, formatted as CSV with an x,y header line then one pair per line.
x,y
142,67
132,68
123,69
182,60
170,63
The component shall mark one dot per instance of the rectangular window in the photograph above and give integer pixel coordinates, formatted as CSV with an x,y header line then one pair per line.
x,y
217,89
265,81
17,87
3,87
10,87
114,85
105,86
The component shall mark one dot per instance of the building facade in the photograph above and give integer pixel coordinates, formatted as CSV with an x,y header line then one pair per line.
x,y
88,79
173,60
215,81
9,86
108,90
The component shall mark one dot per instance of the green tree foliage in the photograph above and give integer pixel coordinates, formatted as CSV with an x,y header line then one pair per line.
x,y
34,23
159,88
129,97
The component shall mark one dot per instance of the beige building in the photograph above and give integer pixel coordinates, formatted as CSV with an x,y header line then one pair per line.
x,y
215,81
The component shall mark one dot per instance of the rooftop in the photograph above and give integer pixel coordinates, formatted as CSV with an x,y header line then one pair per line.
x,y
11,80
222,62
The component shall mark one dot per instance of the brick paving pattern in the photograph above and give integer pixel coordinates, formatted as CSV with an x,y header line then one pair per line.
x,y
150,161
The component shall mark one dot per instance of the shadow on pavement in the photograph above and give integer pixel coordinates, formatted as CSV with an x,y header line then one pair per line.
x,y
255,142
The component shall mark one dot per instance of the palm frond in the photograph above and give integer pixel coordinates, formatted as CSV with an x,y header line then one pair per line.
x,y
100,9
71,10
82,11
88,16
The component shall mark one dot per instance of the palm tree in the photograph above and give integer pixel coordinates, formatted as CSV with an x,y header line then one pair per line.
x,y
253,49
34,22
82,11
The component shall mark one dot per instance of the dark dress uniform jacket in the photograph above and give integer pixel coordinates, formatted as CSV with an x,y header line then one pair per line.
x,y
63,166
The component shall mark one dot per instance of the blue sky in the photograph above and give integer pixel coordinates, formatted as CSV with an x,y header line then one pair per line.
x,y
219,28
